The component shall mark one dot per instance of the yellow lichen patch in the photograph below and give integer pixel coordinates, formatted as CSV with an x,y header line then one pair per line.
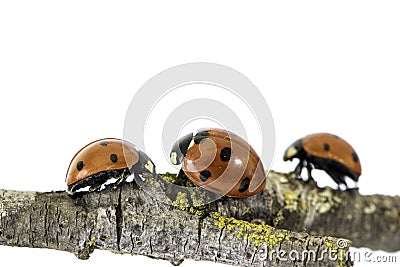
x,y
291,199
342,257
168,200
201,197
329,243
181,200
194,203
91,241
196,211
178,180
220,223
278,218
257,233
303,206
169,177
197,201
338,250
322,201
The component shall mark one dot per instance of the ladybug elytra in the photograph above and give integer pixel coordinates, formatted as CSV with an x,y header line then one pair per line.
x,y
105,159
221,162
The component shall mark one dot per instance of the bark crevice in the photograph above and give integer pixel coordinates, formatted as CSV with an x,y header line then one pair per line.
x,y
119,220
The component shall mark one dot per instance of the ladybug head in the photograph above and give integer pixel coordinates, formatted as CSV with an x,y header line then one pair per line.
x,y
295,150
180,148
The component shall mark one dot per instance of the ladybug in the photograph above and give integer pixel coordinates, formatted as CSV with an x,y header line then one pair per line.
x,y
221,162
326,152
106,159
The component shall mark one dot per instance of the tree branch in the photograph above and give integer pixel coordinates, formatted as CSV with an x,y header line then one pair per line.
x,y
371,221
128,220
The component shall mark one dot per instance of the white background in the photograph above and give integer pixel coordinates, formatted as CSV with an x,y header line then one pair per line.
x,y
68,71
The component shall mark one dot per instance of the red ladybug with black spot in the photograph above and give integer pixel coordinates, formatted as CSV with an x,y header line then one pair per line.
x,y
328,152
221,162
106,159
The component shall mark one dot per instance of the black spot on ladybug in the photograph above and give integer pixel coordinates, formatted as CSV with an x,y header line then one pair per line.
x,y
104,143
113,158
335,136
354,156
225,154
80,165
326,147
244,185
204,175
200,136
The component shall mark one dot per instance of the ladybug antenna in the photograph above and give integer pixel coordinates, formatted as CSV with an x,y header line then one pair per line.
x,y
180,148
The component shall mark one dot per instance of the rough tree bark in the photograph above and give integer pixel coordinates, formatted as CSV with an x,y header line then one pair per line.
x,y
288,224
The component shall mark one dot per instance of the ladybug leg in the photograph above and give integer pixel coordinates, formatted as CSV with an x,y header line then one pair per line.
x,y
337,177
95,187
138,174
299,168
309,167
121,178
181,175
